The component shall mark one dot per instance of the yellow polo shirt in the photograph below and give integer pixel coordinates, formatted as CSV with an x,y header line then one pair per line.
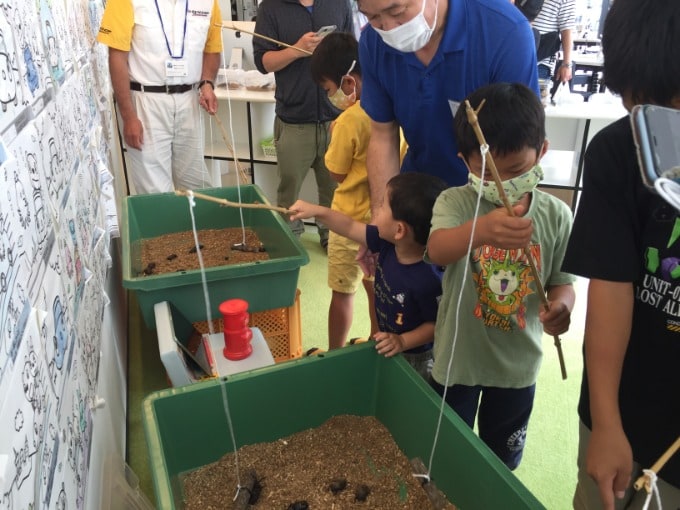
x,y
153,39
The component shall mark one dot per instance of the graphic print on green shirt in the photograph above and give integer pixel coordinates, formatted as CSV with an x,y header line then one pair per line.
x,y
503,279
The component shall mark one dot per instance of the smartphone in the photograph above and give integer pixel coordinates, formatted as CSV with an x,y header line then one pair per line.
x,y
324,31
190,341
656,131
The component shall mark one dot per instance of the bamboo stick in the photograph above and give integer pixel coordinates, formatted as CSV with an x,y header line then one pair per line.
x,y
228,203
243,177
644,480
255,34
474,122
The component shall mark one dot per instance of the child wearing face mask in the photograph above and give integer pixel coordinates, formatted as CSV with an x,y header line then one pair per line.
x,y
335,68
407,289
490,304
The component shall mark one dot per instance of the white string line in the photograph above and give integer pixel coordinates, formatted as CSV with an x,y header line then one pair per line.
x,y
206,297
236,162
653,490
483,150
225,402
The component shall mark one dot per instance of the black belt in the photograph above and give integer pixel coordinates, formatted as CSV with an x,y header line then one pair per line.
x,y
167,89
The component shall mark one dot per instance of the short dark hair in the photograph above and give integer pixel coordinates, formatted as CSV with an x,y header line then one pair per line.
x,y
639,42
333,57
411,197
511,119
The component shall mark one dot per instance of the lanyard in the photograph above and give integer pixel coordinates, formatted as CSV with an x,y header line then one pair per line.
x,y
167,43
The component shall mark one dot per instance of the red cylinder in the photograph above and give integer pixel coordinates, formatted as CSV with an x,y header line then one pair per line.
x,y
237,334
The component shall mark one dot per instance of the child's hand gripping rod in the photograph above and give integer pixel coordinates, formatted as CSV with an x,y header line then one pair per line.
x,y
472,119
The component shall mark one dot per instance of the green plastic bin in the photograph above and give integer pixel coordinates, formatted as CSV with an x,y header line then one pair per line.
x,y
265,284
186,427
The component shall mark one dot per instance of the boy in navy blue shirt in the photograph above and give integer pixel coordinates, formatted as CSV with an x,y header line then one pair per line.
x,y
407,289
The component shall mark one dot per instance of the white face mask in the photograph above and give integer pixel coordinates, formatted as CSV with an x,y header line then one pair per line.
x,y
514,188
341,100
412,35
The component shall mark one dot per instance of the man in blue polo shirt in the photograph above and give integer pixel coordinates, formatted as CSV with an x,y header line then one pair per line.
x,y
416,56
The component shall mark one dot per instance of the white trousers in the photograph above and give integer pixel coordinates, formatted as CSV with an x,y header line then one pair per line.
x,y
172,153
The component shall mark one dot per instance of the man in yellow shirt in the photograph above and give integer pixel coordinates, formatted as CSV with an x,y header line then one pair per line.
x,y
163,59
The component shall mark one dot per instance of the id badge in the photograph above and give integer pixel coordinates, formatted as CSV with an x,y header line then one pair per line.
x,y
177,67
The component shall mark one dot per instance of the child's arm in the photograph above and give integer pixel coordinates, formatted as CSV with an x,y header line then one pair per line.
x,y
561,302
334,220
609,458
390,344
337,177
496,228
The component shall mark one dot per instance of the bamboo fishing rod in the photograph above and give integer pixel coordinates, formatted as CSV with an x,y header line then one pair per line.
x,y
229,203
474,122
645,480
255,34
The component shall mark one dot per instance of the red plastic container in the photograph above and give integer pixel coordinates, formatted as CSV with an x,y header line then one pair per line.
x,y
237,334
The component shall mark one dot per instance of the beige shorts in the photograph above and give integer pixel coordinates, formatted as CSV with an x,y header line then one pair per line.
x,y
344,273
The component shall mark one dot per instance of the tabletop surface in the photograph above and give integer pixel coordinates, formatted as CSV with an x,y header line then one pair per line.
x,y
252,96
588,110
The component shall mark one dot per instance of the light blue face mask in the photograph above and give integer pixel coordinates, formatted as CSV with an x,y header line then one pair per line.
x,y
514,188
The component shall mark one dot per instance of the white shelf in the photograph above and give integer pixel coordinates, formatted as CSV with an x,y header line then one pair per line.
x,y
559,169
244,95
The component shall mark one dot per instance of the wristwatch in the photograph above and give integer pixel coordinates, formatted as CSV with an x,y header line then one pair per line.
x,y
565,64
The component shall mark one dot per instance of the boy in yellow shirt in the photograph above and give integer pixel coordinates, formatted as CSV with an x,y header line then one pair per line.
x,y
335,67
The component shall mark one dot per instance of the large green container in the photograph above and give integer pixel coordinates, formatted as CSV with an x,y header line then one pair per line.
x,y
265,284
186,427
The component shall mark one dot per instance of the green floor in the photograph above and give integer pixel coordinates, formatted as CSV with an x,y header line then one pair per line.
x,y
549,466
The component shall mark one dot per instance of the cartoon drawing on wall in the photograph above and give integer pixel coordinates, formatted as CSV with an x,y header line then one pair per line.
x,y
101,258
88,347
26,196
85,195
8,77
29,208
22,18
76,433
56,25
89,97
57,333
42,138
99,62
79,113
52,50
21,437
14,271
42,218
95,9
73,272
77,26
11,92
49,460
65,124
